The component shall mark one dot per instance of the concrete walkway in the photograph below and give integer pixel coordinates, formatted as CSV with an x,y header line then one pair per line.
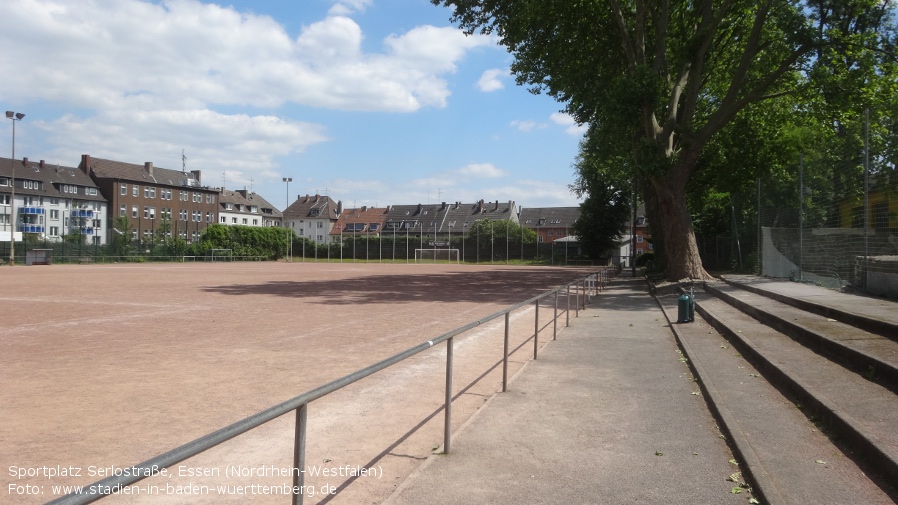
x,y
609,413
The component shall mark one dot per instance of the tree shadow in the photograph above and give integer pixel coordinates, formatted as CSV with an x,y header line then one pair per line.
x,y
505,286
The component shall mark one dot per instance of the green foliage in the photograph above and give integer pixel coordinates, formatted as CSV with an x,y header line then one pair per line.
x,y
266,242
682,89
489,231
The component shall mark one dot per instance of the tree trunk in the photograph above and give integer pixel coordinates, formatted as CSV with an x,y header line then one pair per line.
x,y
680,247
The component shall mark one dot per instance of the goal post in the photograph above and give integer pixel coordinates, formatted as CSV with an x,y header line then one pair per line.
x,y
219,255
434,255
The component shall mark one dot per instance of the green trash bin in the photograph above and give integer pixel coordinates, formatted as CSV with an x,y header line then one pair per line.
x,y
686,308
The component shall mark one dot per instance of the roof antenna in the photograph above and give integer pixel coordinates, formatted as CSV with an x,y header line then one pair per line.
x,y
183,161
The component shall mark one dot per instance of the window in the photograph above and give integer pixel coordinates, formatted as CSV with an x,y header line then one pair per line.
x,y
135,191
4,199
233,220
210,198
640,221
90,191
372,226
123,210
255,222
224,220
183,196
556,221
245,221
197,197
208,217
124,190
229,206
320,224
638,239
149,192
638,251
134,211
4,181
149,212
551,233
451,224
54,231
182,214
165,194
253,209
54,214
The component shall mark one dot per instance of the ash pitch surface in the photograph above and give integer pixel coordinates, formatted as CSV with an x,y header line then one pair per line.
x,y
105,366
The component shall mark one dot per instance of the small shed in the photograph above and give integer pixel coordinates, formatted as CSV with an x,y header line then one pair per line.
x,y
39,257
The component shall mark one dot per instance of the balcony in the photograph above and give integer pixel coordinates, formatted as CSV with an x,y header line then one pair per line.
x,y
31,228
31,211
82,214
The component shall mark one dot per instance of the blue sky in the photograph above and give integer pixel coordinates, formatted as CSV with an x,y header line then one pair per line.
x,y
372,102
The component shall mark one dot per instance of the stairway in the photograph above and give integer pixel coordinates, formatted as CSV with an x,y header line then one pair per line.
x,y
808,401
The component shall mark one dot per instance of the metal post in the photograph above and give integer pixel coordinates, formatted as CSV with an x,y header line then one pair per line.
x,y
577,300
800,216
866,195
567,311
555,318
299,453
505,356
536,331
447,422
13,116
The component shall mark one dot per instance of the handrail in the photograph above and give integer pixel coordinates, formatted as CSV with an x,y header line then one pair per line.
x,y
153,466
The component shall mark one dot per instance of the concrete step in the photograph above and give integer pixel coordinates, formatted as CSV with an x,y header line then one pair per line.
x,y
859,415
874,314
871,355
785,455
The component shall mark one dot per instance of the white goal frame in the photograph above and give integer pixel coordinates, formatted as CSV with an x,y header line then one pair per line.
x,y
437,254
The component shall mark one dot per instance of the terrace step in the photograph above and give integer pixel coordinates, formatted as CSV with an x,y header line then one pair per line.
x,y
872,355
771,422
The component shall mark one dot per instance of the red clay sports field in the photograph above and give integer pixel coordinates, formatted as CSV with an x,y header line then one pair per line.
x,y
105,366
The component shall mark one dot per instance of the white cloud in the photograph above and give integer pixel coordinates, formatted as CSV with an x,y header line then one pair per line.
x,y
489,80
573,128
347,7
138,80
481,171
524,126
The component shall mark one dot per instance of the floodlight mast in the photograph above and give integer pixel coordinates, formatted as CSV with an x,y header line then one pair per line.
x,y
13,116
288,180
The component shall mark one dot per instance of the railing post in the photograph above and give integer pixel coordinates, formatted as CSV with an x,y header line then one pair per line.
x,y
555,318
505,357
567,312
299,454
577,300
447,426
536,331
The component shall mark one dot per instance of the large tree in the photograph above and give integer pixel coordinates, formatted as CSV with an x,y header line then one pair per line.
x,y
661,79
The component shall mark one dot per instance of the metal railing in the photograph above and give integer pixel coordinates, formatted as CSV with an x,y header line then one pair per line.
x,y
583,288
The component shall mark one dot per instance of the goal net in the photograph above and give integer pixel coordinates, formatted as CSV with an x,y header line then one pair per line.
x,y
434,255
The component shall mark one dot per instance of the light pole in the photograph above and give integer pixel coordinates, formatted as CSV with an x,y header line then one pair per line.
x,y
13,116
288,180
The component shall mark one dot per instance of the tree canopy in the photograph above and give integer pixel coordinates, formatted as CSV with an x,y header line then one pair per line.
x,y
673,86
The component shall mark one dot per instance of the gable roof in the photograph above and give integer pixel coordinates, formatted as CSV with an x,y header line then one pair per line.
x,y
360,220
313,207
549,217
142,174
52,177
446,218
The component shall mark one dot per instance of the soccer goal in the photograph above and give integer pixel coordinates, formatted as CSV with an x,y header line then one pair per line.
x,y
434,255
219,255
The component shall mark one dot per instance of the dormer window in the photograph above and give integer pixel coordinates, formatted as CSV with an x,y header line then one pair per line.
x,y
229,206
315,212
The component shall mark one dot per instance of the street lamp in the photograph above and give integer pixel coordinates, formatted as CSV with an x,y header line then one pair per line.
x,y
288,180
13,116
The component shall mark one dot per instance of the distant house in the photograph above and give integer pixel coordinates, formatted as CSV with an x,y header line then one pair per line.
x,y
246,208
313,217
149,195
550,223
637,242
52,201
439,222
364,221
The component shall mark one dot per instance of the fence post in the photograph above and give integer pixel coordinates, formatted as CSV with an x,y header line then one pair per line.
x,y
447,422
555,318
577,300
299,453
505,357
536,331
567,312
